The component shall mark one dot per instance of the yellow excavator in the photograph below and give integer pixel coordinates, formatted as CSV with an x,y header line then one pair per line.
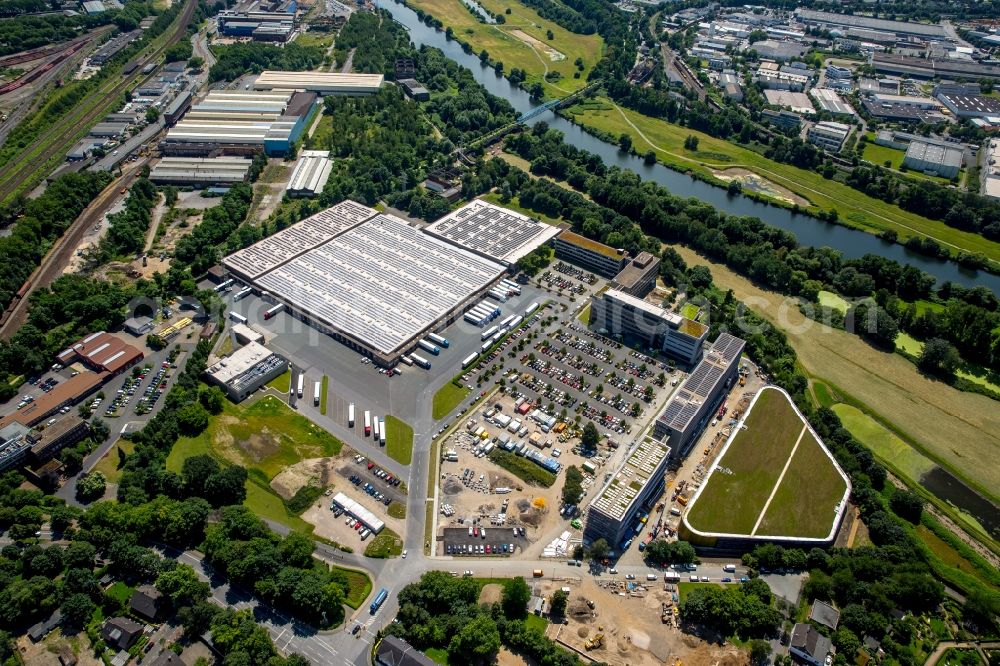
x,y
595,642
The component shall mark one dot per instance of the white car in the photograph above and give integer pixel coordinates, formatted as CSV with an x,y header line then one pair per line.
x,y
405,551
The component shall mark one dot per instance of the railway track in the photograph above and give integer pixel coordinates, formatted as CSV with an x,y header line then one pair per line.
x,y
46,51
62,134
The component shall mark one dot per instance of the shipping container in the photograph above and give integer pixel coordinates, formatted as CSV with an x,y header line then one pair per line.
x,y
469,360
317,389
273,311
438,339
242,293
368,423
350,416
237,317
429,346
302,381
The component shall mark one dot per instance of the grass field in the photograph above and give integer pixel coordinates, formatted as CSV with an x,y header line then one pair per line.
x,y
536,621
907,343
949,555
282,383
265,437
397,510
690,310
584,315
437,655
386,544
360,586
828,299
854,207
534,54
323,393
879,155
737,491
398,440
956,429
522,468
108,465
883,442
446,399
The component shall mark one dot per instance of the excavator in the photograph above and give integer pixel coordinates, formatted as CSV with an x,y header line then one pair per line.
x,y
595,642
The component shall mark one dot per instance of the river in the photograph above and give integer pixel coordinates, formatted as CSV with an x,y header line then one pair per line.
x,y
807,229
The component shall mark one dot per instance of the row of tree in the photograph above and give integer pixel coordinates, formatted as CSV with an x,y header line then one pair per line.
x,y
236,60
127,228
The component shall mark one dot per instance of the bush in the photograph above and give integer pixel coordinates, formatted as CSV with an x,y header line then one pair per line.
x,y
523,468
303,498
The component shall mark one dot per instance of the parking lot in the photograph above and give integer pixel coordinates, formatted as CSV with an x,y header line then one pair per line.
x,y
477,541
363,472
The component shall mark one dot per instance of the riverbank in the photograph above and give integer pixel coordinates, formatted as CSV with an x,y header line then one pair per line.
x,y
854,209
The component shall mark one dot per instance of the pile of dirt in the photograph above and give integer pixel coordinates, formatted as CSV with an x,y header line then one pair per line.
x,y
579,611
452,486
486,509
319,471
523,504
531,518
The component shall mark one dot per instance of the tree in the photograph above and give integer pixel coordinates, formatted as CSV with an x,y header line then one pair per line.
x,y
196,62
907,504
558,606
90,487
72,459
476,642
196,472
192,419
227,486
691,142
660,552
760,650
516,595
572,485
590,437
152,114
599,550
212,399
182,585
77,610
939,357
99,430
649,157
197,619
625,142
549,35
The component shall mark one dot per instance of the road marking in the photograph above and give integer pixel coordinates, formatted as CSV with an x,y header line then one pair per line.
x,y
777,483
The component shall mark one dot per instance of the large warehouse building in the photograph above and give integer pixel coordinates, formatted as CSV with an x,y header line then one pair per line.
x,y
310,174
246,370
685,416
321,83
492,231
201,171
636,484
240,122
368,280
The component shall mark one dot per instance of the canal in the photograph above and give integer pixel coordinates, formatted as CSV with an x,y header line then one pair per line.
x,y
808,230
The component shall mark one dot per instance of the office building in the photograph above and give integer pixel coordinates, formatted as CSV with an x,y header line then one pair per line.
x,y
989,172
14,445
321,83
638,278
940,160
310,174
785,120
68,430
828,135
796,79
689,410
631,490
589,254
492,231
245,370
632,319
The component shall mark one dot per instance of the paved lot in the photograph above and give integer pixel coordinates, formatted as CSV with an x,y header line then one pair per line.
x,y
366,475
458,539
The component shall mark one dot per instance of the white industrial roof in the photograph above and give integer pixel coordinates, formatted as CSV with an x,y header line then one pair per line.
x,y
831,101
288,243
369,519
311,172
495,232
241,360
318,81
382,282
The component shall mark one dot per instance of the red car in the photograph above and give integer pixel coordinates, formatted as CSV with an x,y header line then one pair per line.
x,y
475,531
370,465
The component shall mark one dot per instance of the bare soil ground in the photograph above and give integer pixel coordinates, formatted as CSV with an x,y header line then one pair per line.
x,y
962,429
319,471
490,594
757,183
554,55
46,653
633,633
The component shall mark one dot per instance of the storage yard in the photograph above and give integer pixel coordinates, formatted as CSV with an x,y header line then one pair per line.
x,y
773,480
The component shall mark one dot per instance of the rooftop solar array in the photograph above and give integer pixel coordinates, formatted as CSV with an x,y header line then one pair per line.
x,y
640,468
498,233
271,252
381,282
702,382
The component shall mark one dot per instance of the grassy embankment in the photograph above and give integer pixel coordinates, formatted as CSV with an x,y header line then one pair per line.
x,y
714,155
958,430
398,440
266,437
531,51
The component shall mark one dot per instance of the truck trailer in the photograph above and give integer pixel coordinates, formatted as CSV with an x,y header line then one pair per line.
x,y
421,361
368,423
317,389
273,311
429,346
433,337
350,416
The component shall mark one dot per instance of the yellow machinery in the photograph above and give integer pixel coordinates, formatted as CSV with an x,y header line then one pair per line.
x,y
595,642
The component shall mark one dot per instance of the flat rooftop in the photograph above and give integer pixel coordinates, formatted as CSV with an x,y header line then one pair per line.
x,y
980,104
638,470
902,27
588,244
65,391
381,282
702,382
831,101
269,253
494,232
316,81
637,269
950,156
311,171
246,357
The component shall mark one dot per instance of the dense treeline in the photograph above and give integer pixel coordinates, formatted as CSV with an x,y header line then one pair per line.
x,y
563,15
440,611
743,610
767,255
377,38
199,249
235,60
39,222
127,228
15,7
21,33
